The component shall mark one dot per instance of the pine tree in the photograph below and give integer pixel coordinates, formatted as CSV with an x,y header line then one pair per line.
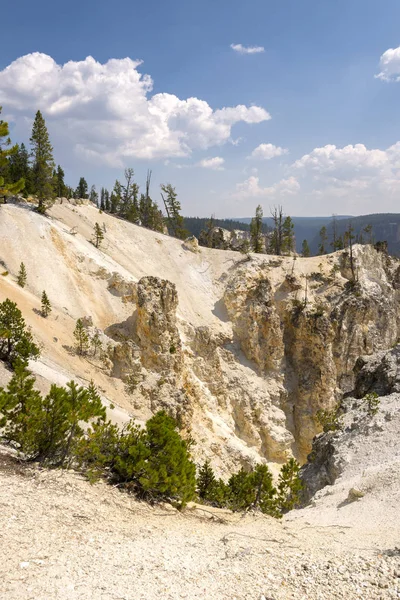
x,y
169,472
276,241
43,163
95,342
289,486
107,202
60,187
21,278
98,235
206,481
48,429
93,196
305,249
7,186
368,231
103,199
256,231
115,198
81,336
20,404
323,240
16,341
46,306
288,242
82,189
173,210
19,168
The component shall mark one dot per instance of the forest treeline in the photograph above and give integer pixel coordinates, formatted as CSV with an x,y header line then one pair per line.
x,y
33,172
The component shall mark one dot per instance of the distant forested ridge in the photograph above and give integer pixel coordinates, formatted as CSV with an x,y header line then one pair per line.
x,y
196,224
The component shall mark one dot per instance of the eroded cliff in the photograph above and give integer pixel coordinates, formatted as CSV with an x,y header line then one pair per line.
x,y
242,351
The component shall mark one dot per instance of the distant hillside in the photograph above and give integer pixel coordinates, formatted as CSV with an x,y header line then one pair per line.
x,y
196,224
385,227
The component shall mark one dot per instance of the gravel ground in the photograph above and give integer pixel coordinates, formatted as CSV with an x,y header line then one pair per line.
x,y
63,538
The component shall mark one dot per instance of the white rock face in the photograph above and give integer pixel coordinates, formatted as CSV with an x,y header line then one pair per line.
x,y
243,352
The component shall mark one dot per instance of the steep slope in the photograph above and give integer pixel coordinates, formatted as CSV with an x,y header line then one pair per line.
x,y
226,344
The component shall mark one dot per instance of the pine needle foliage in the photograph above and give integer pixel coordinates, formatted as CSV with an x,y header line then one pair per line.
x,y
21,277
98,235
154,463
16,341
47,429
82,338
43,163
7,188
46,306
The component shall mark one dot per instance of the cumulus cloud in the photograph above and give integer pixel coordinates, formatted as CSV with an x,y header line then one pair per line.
x,y
251,188
267,151
247,49
216,163
390,65
331,158
353,172
107,112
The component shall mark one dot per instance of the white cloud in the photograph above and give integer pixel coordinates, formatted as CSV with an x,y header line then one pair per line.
x,y
247,49
106,112
216,163
360,175
267,151
349,158
251,188
390,65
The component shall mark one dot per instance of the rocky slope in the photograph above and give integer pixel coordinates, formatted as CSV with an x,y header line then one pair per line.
x,y
64,539
242,351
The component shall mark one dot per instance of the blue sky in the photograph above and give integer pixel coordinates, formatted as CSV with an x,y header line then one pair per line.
x,y
328,126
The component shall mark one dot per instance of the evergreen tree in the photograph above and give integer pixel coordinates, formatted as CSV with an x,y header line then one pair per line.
x,y
81,336
368,231
43,163
46,306
98,235
241,491
323,240
47,430
264,491
173,208
93,196
19,168
115,198
288,242
7,186
206,481
107,202
256,231
289,486
82,189
20,404
16,341
305,249
169,472
95,342
21,278
60,187
276,241
103,199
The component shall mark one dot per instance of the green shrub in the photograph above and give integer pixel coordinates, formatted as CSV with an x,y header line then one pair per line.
x,y
373,402
289,486
154,462
21,278
16,341
47,429
329,420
